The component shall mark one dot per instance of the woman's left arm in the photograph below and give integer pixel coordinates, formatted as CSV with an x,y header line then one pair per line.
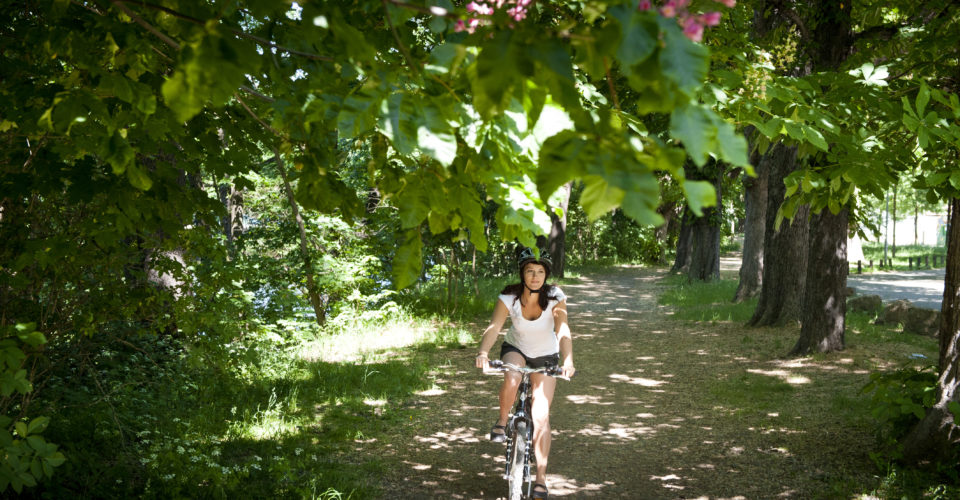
x,y
566,340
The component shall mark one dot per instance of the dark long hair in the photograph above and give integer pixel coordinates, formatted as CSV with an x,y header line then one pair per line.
x,y
516,289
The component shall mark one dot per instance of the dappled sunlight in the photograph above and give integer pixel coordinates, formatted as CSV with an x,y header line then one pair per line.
x,y
657,411
784,375
587,399
431,392
447,439
618,431
561,486
645,382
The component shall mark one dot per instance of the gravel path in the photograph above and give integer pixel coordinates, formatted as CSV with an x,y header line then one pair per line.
x,y
640,420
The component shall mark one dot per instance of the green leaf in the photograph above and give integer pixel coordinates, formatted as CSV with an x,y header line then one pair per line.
x,y
731,146
692,125
37,443
358,115
118,153
815,137
954,408
435,136
408,260
598,197
353,41
560,161
642,209
683,61
498,73
923,97
210,70
21,429
56,459
138,177
445,58
937,178
38,425
398,122
638,35
700,195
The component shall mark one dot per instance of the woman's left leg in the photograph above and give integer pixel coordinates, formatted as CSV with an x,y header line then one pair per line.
x,y
543,388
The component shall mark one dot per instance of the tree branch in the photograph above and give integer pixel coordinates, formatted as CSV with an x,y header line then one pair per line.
x,y
613,91
258,119
235,31
254,93
147,26
396,36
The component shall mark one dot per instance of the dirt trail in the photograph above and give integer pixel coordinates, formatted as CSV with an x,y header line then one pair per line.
x,y
638,422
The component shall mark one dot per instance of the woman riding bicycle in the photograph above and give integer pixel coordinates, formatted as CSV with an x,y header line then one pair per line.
x,y
539,336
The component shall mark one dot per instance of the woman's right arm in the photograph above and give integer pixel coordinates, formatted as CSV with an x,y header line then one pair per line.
x,y
489,336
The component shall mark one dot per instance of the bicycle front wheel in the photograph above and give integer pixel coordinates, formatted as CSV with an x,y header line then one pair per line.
x,y
518,454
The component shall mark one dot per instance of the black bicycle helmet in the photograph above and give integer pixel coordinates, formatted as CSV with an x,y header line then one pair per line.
x,y
527,256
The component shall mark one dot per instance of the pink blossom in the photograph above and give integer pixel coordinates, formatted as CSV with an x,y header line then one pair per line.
x,y
682,4
644,5
693,29
710,18
669,9
517,13
480,8
729,3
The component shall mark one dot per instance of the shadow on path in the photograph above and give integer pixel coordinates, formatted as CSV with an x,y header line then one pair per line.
x,y
648,417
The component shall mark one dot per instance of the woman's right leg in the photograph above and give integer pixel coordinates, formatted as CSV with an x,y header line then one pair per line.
x,y
508,390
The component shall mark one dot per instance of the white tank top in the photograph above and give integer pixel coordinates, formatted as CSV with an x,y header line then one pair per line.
x,y
537,337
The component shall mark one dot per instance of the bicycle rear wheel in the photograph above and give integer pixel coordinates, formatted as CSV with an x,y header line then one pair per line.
x,y
518,453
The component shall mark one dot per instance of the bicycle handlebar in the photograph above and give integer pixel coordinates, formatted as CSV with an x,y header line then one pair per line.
x,y
552,371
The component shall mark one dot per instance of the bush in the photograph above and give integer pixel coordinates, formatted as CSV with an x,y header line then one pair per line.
x,y
899,400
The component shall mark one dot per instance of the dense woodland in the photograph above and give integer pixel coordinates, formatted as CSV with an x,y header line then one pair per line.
x,y
191,190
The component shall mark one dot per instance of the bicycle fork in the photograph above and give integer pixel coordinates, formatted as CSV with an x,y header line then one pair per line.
x,y
520,414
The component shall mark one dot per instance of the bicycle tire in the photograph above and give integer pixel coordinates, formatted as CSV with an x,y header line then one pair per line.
x,y
517,462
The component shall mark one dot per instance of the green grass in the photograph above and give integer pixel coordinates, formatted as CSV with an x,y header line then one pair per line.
x,y
870,347
267,417
706,301
901,261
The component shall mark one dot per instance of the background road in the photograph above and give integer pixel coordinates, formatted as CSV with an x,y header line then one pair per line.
x,y
923,288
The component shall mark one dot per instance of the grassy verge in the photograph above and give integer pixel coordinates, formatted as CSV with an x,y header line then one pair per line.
x,y
278,415
902,259
823,393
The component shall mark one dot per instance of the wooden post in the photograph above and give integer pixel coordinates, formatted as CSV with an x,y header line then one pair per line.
x,y
926,263
910,262
859,267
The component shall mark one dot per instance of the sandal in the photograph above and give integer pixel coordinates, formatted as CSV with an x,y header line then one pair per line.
x,y
537,493
498,437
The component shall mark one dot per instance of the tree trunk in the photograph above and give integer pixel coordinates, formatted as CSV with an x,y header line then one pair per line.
x,y
556,241
684,242
784,251
823,325
893,246
232,221
937,433
662,233
705,238
312,290
824,302
755,210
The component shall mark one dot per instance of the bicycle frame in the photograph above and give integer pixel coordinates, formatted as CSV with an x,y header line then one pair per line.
x,y
520,422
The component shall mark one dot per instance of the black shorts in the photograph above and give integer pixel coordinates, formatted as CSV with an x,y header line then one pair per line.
x,y
540,362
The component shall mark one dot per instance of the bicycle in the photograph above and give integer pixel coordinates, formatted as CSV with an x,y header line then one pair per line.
x,y
520,428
